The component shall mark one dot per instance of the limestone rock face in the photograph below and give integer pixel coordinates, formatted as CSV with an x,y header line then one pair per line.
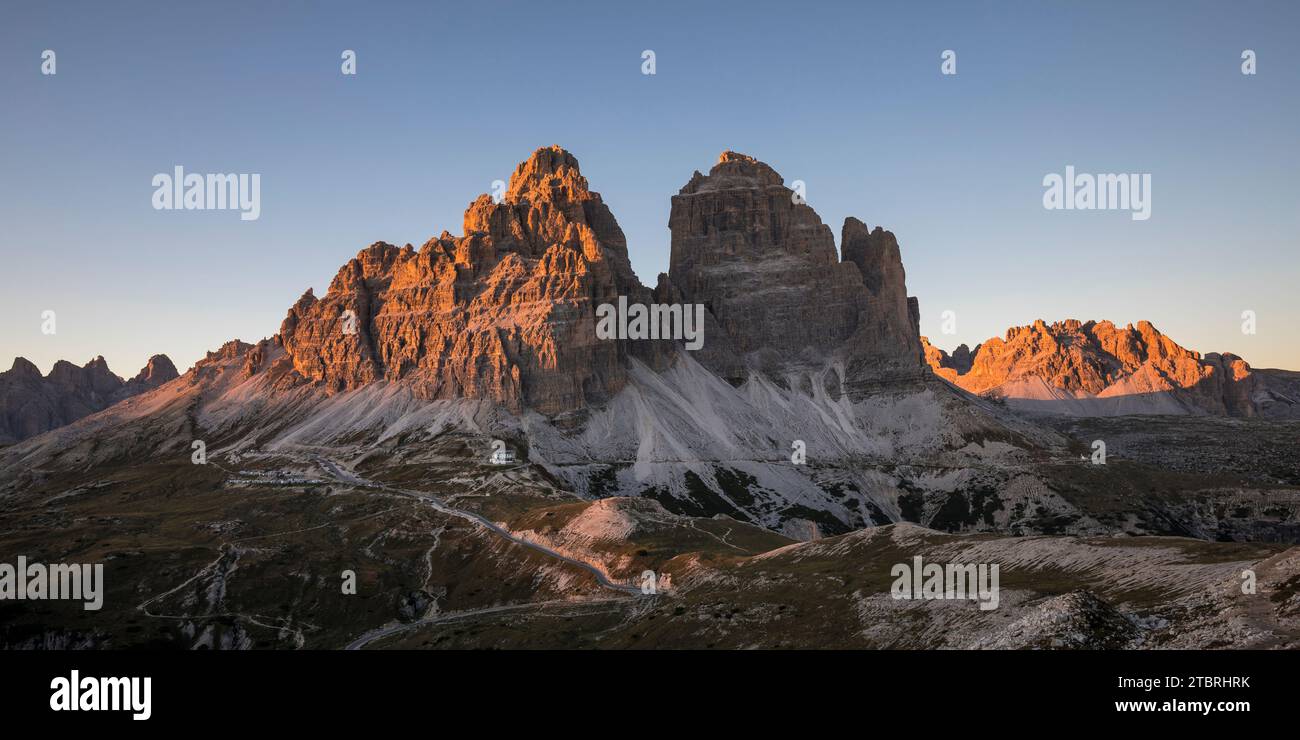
x,y
888,341
949,366
31,404
505,312
1134,369
777,297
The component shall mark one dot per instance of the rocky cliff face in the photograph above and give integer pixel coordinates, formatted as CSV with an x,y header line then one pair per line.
x,y
505,312
778,298
31,404
888,343
1097,368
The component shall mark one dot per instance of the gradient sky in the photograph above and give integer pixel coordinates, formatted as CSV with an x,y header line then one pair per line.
x,y
844,96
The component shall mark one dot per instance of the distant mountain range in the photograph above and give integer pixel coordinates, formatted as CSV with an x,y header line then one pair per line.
x,y
1098,369
31,404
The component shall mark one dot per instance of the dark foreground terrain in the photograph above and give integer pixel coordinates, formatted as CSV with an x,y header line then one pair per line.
x,y
250,551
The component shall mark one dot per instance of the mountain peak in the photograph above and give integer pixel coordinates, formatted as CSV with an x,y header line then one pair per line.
x,y
39,403
550,171
98,364
778,295
505,312
730,156
157,371
735,171
25,368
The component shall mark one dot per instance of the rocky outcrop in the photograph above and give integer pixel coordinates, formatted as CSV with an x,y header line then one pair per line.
x,y
888,341
1097,368
32,404
949,366
505,312
777,297
157,371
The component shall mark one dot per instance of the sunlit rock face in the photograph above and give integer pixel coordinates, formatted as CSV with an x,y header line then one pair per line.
x,y
1098,368
505,312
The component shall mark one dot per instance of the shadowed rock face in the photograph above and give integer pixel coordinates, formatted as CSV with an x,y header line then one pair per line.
x,y
505,312
1054,365
777,297
888,342
31,404
157,371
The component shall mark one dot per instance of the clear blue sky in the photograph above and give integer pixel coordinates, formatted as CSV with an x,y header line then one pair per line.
x,y
845,96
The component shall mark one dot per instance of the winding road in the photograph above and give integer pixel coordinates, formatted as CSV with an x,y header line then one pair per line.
x,y
345,476
336,471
